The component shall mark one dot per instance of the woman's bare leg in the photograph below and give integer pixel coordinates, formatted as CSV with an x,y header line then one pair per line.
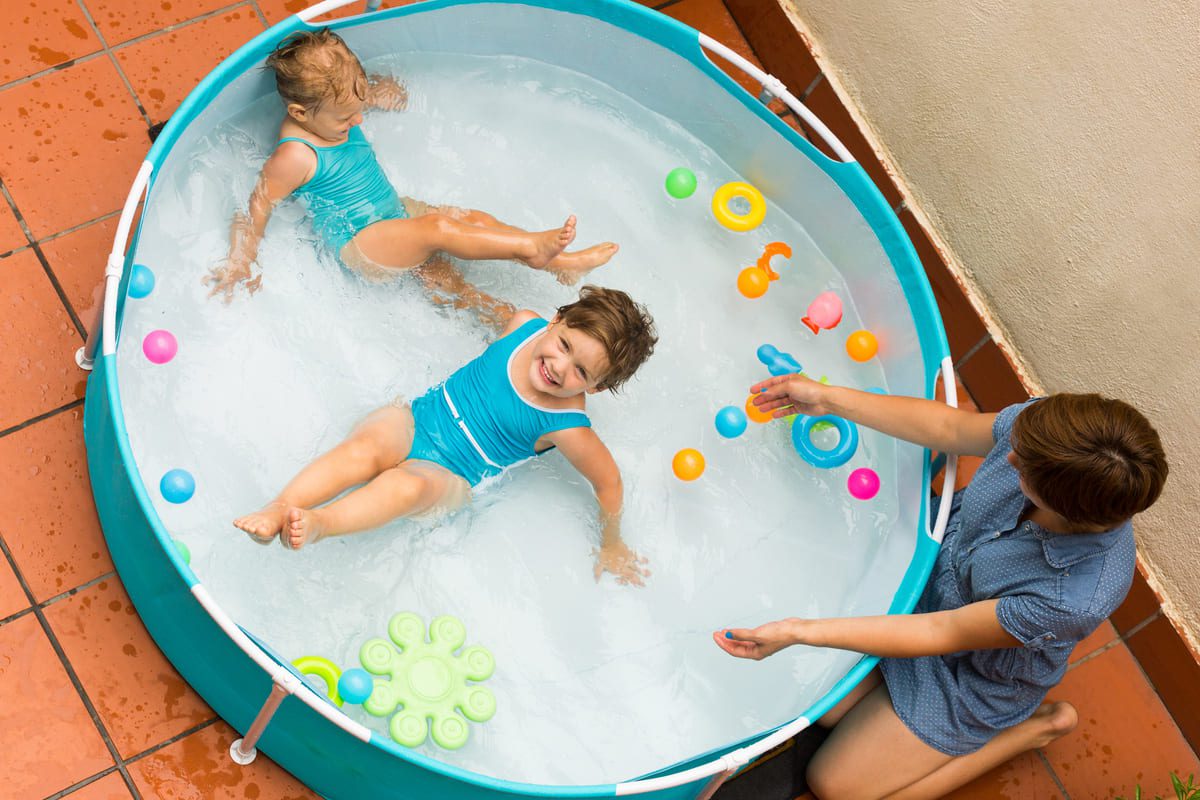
x,y
834,715
380,441
402,491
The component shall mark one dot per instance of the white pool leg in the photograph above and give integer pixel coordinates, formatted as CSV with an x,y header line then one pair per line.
x,y
243,751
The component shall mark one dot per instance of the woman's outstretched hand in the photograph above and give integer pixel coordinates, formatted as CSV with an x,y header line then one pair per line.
x,y
758,643
785,395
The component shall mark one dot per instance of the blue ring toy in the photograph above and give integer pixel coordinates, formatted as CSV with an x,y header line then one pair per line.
x,y
825,459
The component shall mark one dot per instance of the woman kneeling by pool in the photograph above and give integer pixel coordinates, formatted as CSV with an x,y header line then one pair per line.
x,y
1038,551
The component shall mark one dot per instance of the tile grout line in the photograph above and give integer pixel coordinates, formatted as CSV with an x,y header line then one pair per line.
x,y
1122,638
60,596
113,60
41,417
1053,775
72,676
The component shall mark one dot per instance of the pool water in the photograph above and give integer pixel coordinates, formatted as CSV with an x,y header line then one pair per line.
x,y
595,682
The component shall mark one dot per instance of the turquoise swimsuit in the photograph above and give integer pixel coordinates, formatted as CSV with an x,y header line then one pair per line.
x,y
348,191
475,424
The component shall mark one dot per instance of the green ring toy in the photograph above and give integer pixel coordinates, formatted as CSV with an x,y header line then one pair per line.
x,y
323,668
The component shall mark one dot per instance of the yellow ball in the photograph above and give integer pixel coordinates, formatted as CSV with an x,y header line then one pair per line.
x,y
688,464
862,345
753,282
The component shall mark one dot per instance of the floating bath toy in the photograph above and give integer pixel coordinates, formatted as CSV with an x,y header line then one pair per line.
x,y
755,414
776,362
839,454
182,549
752,282
177,486
863,483
141,281
731,422
355,685
681,183
688,464
160,346
825,311
770,251
323,668
428,680
739,222
862,345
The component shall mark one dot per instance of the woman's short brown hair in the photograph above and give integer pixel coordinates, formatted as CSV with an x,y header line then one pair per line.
x,y
1094,460
313,67
623,327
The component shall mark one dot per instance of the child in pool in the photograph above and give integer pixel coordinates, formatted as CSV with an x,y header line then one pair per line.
x,y
1038,551
323,155
523,396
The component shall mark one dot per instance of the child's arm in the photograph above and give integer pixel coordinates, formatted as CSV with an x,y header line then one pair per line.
x,y
386,93
286,170
972,627
583,448
924,422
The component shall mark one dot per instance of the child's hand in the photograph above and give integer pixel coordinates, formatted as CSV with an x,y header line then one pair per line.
x,y
758,643
386,93
785,395
628,567
226,276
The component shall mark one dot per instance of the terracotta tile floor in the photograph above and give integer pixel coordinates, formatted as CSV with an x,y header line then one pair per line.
x,y
76,666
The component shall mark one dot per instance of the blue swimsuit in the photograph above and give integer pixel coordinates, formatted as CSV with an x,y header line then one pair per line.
x,y
348,191
475,424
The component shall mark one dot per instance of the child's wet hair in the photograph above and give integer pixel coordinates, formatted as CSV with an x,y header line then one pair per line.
x,y
314,67
1094,460
624,328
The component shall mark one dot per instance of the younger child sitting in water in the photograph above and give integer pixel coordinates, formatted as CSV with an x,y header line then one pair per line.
x,y
523,396
323,155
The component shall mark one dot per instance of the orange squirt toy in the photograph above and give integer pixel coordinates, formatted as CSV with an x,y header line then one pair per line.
x,y
754,281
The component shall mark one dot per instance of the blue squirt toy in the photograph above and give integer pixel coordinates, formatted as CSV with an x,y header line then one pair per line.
x,y
776,362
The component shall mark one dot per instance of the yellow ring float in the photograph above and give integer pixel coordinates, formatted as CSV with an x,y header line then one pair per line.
x,y
739,222
323,668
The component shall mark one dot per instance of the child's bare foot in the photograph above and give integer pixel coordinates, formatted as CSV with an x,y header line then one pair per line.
x,y
549,244
300,528
263,525
570,267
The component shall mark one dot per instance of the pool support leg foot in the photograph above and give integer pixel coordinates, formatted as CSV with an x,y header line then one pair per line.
x,y
244,750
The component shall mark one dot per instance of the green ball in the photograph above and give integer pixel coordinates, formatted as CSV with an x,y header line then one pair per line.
x,y
183,550
681,183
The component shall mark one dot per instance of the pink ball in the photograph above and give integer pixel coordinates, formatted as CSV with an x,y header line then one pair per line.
x,y
160,346
826,310
863,483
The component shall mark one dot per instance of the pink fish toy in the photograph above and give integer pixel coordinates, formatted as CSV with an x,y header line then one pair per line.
x,y
823,312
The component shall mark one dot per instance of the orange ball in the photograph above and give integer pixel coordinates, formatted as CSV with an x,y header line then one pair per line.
x,y
688,464
862,345
753,282
755,413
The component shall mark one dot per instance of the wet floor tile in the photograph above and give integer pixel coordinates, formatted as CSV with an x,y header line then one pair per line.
x,y
110,787
1024,777
991,378
140,697
77,260
46,508
1139,605
44,718
776,42
37,361
1173,671
276,10
61,175
11,235
12,596
41,34
164,68
197,767
711,17
121,20
1125,735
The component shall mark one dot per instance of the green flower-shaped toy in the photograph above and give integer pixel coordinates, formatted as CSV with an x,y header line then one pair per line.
x,y
428,680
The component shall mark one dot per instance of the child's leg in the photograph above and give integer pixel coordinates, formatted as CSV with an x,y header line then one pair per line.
x,y
404,243
407,490
380,441
448,287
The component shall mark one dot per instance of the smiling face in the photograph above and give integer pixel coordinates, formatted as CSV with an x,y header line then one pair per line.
x,y
332,120
566,362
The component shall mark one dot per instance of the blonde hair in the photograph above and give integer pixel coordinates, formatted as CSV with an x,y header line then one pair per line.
x,y
313,67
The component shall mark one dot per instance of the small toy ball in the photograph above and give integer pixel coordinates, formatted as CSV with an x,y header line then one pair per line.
x,y
184,552
688,464
355,685
141,281
825,311
731,422
160,346
863,483
681,183
755,413
752,282
177,486
862,345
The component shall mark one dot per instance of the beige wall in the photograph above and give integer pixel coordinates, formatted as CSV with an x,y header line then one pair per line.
x,y
1054,151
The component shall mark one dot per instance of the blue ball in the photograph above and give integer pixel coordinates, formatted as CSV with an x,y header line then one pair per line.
x,y
177,486
731,422
141,281
355,685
